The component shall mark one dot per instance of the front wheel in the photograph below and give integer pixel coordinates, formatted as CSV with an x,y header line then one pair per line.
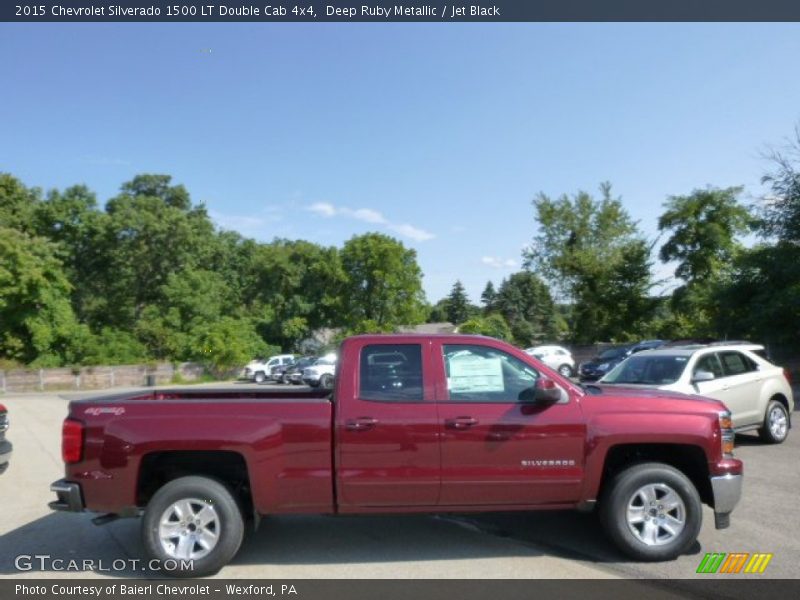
x,y
776,423
260,377
326,381
652,512
193,526
565,370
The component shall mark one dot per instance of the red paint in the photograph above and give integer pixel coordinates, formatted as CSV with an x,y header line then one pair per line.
x,y
305,454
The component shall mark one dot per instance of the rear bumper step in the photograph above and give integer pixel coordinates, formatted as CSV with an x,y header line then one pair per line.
x,y
69,496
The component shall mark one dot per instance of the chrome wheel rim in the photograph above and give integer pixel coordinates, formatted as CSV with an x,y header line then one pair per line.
x,y
189,529
656,514
777,423
565,371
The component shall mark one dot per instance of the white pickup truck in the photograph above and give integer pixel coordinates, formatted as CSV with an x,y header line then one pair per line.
x,y
259,370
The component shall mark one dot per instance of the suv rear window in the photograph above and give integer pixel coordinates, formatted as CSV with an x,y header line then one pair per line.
x,y
391,373
735,363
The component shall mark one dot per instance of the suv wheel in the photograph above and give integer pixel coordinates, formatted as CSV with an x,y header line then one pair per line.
x,y
193,525
259,377
776,423
652,512
326,381
565,370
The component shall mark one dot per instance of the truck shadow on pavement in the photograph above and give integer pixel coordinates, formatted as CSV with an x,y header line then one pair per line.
x,y
319,540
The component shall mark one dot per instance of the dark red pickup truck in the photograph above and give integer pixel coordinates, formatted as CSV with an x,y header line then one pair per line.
x,y
414,424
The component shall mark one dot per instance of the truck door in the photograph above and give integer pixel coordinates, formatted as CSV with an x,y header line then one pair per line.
x,y
387,428
498,446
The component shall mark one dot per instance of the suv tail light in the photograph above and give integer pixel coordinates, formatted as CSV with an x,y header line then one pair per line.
x,y
788,375
71,441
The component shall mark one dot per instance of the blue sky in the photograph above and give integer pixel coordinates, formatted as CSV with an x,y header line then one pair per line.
x,y
439,134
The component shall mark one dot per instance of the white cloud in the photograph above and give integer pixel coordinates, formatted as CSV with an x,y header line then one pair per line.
x,y
323,208
499,263
415,233
369,215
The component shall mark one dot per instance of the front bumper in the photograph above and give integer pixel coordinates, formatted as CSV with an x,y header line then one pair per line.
x,y
727,491
69,496
5,455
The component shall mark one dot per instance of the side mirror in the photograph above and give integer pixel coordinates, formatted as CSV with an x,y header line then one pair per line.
x,y
546,391
700,376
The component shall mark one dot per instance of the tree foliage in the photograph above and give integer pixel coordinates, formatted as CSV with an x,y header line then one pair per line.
x,y
457,306
593,254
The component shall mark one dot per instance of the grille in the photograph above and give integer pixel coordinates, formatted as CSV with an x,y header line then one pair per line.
x,y
3,422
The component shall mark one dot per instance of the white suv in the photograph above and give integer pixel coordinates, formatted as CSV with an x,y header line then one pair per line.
x,y
557,358
259,369
757,393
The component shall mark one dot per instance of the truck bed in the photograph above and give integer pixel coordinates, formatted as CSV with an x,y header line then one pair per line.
x,y
283,437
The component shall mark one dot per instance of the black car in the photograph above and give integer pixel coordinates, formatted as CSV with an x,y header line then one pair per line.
x,y
5,446
610,358
294,374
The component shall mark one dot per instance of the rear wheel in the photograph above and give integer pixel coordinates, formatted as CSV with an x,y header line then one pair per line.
x,y
193,526
326,381
259,377
776,423
652,512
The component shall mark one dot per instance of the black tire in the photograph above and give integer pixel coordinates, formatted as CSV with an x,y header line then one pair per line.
x,y
326,381
768,431
622,490
260,377
565,370
230,529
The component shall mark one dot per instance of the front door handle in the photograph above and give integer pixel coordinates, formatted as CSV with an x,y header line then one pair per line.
x,y
460,422
361,424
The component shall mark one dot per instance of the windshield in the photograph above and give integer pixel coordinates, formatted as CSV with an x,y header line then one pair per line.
x,y
648,370
613,353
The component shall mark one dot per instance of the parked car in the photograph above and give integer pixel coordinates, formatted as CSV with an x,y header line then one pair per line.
x,y
459,423
608,359
555,357
276,372
5,445
321,372
259,369
758,393
294,374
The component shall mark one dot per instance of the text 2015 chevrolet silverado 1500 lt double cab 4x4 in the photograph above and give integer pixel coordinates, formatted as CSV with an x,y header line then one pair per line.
x,y
414,424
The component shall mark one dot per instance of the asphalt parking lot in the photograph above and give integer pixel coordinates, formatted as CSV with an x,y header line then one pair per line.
x,y
511,545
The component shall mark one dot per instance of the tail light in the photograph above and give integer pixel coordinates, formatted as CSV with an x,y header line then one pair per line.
x,y
788,375
71,441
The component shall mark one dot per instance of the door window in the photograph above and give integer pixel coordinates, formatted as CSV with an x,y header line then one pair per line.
x,y
709,363
482,374
391,373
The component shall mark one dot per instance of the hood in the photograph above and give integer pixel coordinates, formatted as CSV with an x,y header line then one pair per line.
x,y
617,398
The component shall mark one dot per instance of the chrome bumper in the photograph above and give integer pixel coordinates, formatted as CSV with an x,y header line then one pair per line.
x,y
727,492
5,455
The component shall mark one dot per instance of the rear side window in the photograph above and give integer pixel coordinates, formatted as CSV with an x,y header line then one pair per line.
x,y
735,363
391,373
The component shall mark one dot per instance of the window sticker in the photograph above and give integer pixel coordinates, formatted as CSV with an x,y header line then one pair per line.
x,y
471,373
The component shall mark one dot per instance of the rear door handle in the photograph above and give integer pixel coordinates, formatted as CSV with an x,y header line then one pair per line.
x,y
460,422
361,424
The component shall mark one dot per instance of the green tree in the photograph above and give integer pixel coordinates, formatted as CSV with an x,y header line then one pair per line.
x,y
584,247
383,283
780,212
492,325
38,323
525,303
229,343
18,204
457,304
488,297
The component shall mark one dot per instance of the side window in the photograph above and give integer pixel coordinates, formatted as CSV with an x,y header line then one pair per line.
x,y
482,374
391,373
709,363
734,363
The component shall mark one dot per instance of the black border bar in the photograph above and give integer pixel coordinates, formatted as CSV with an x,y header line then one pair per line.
x,y
443,11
